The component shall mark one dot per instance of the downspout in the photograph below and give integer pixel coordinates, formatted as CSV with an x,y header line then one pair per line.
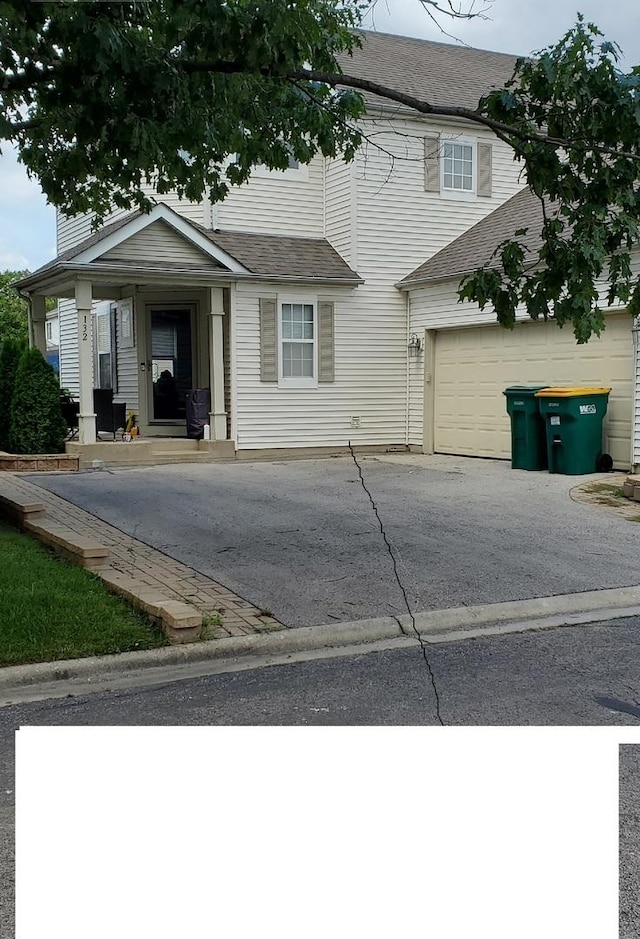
x,y
407,369
27,297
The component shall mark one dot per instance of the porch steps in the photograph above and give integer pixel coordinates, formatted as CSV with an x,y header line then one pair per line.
x,y
151,451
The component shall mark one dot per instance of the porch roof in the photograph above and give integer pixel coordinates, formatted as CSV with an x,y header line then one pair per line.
x,y
219,255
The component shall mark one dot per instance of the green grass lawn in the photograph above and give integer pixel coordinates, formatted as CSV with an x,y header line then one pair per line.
x,y
51,609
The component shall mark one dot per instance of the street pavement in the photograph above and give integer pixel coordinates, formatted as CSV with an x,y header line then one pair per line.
x,y
629,841
300,540
585,675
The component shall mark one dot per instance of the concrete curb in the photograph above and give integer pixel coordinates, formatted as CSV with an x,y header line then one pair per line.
x,y
435,626
470,617
275,643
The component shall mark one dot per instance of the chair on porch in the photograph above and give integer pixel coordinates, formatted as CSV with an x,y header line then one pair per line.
x,y
109,415
70,411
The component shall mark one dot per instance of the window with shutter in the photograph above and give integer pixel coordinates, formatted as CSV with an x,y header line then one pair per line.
x,y
432,164
485,170
296,342
464,167
268,340
326,341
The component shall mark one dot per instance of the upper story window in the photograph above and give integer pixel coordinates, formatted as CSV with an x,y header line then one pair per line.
x,y
298,340
457,166
49,330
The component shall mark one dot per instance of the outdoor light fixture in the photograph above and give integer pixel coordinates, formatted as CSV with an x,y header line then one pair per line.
x,y
415,345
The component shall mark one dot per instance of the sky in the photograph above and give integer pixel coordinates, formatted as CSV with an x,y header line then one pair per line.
x,y
520,27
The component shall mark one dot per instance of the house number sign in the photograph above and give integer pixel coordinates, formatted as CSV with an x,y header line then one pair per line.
x,y
85,328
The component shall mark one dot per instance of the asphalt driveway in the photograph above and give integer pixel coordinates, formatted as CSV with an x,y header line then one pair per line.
x,y
300,539
629,841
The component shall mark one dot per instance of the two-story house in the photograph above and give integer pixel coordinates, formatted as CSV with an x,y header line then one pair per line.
x,y
318,304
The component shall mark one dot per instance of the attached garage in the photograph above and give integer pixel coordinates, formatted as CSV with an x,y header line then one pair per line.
x,y
473,366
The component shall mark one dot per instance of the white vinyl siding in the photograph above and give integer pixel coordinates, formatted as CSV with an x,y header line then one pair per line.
x,y
339,210
400,224
160,241
369,378
276,203
70,231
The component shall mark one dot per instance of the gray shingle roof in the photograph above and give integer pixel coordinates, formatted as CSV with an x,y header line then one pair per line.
x,y
280,254
268,255
88,242
475,247
437,72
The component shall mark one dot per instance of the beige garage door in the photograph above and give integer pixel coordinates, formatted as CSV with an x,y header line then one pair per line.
x,y
473,366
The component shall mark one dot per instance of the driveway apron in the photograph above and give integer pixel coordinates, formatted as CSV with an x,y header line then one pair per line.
x,y
300,541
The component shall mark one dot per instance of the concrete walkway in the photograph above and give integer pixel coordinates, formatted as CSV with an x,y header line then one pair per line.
x,y
156,570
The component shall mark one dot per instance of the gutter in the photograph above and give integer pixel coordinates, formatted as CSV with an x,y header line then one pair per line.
x,y
201,277
456,275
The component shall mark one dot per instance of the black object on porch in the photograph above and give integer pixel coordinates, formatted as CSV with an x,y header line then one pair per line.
x,y
109,415
198,404
70,411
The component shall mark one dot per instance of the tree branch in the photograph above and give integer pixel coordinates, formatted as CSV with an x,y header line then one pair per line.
x,y
466,114
23,81
23,125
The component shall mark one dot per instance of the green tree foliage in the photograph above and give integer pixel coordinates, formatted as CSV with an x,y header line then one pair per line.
x,y
101,98
574,120
117,94
10,353
37,424
13,309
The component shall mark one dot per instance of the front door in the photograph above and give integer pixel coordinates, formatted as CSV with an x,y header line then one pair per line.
x,y
170,366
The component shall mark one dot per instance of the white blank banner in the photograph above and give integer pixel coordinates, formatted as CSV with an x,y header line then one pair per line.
x,y
316,832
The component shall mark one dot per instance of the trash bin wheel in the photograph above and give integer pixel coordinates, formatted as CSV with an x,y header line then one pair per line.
x,y
604,463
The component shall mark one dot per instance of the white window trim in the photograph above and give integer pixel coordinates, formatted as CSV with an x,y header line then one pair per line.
x,y
300,381
460,194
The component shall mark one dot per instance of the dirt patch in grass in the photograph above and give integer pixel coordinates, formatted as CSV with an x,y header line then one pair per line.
x,y
51,609
608,493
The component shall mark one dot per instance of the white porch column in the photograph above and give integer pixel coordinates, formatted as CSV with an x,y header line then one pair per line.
x,y
217,415
87,418
37,318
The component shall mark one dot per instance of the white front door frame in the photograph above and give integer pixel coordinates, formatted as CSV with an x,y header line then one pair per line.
x,y
150,427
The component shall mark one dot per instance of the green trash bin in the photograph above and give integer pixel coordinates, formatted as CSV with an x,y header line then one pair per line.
x,y
528,432
573,419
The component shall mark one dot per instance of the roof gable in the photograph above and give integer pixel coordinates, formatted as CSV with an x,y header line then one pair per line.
x,y
160,242
113,238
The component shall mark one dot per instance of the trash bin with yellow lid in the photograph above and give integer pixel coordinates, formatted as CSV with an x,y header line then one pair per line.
x,y
573,418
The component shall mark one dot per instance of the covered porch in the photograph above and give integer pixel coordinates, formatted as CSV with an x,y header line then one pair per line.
x,y
144,320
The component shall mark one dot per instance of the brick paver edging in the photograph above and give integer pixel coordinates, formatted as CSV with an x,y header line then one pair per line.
x,y
145,576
